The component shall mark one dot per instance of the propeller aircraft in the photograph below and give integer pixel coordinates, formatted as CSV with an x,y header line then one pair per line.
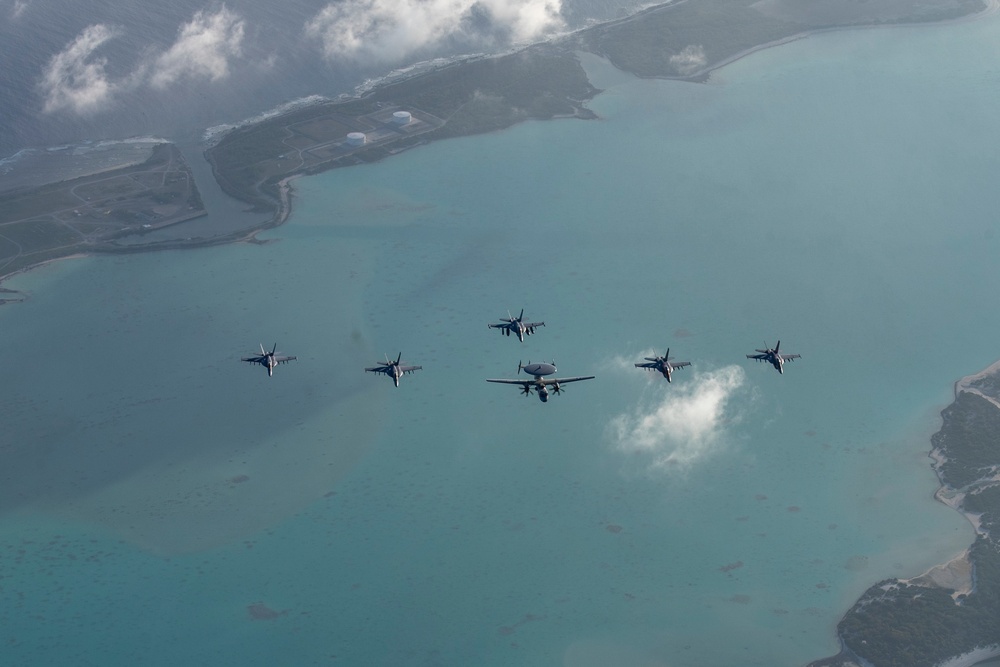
x,y
539,382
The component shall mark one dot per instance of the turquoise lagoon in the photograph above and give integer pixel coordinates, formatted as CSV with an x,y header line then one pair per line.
x,y
164,504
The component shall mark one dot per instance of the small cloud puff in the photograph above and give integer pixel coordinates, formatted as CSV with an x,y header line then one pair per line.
x,y
689,60
20,6
385,31
202,50
686,426
75,79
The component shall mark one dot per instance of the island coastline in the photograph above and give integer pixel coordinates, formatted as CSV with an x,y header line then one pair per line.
x,y
561,91
946,617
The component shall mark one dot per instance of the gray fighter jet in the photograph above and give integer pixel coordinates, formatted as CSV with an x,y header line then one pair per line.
x,y
774,357
540,383
663,364
394,369
268,359
516,325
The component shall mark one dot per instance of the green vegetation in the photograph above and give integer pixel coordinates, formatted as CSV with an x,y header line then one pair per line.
x,y
494,93
895,624
915,626
90,213
470,97
680,39
653,42
686,39
973,431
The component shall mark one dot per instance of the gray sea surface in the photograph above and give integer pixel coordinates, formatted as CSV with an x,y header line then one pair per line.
x,y
162,503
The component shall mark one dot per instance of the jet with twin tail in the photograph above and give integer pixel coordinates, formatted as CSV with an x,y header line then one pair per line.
x,y
268,359
539,382
516,325
663,364
774,357
394,369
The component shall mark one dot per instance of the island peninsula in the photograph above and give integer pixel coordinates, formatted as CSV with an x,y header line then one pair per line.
x,y
681,39
950,616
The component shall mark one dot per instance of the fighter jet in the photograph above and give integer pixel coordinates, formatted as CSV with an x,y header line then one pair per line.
x,y
663,364
520,329
540,383
393,369
268,359
774,357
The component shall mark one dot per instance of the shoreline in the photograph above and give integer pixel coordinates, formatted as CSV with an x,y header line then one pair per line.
x,y
961,592
284,208
992,7
282,204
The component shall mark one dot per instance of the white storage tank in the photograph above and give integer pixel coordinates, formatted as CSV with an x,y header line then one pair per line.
x,y
401,117
356,138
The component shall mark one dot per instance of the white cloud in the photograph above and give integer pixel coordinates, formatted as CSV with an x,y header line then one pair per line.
x,y
20,6
75,79
387,31
687,425
689,60
203,49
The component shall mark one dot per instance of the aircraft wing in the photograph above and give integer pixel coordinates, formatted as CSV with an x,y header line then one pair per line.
x,y
501,325
523,383
283,360
758,357
648,364
532,325
566,380
679,364
789,357
255,360
376,369
410,369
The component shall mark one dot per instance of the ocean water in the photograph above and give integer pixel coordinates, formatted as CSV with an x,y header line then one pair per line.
x,y
165,504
